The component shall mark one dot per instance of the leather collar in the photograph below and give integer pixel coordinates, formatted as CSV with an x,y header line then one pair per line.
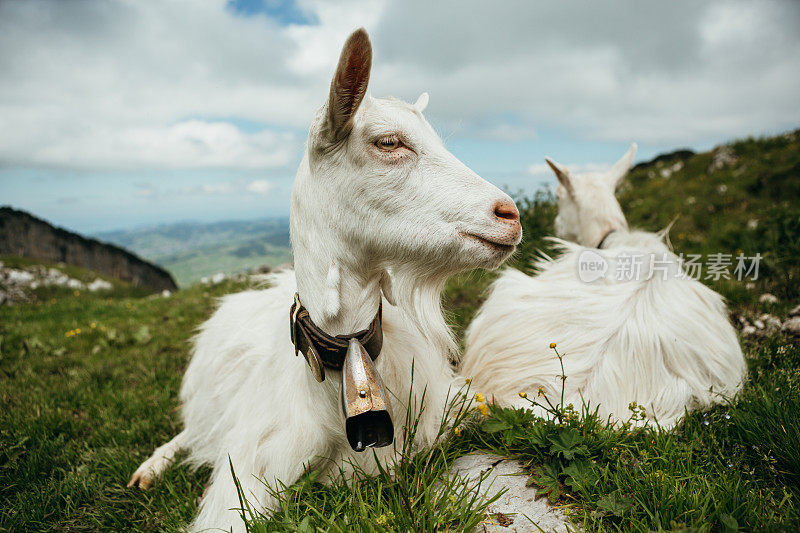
x,y
327,351
603,240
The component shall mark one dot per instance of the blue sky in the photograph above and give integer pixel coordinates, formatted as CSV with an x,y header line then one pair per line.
x,y
118,114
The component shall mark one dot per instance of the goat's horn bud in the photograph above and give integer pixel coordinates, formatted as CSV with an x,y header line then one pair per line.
x,y
366,406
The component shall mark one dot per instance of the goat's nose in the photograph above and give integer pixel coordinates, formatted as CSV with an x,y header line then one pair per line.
x,y
506,211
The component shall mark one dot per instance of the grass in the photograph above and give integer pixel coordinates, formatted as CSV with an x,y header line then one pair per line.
x,y
81,411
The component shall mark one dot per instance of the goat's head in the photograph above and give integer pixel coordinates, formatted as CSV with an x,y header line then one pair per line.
x,y
587,207
380,181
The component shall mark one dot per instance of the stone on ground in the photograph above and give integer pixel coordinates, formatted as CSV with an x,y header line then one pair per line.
x,y
517,510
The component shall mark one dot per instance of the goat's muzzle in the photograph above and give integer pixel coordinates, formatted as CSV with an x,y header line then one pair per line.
x,y
366,406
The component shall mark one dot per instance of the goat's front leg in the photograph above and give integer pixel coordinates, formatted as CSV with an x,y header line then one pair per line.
x,y
282,456
164,456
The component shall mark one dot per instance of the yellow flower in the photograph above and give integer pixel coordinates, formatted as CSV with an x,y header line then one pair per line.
x,y
541,391
479,398
77,293
52,300
102,328
483,409
78,331
552,345
68,334
467,381
457,431
523,394
92,325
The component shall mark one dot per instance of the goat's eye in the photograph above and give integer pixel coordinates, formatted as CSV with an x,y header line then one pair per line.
x,y
389,143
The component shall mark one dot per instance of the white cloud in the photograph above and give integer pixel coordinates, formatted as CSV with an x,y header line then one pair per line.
x,y
188,144
259,186
124,84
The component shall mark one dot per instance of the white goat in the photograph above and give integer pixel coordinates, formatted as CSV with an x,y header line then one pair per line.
x,y
660,339
376,193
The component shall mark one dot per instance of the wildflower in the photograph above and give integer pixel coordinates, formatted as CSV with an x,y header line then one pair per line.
x,y
102,328
552,345
479,398
78,331
68,334
467,381
92,325
384,519
523,394
52,300
483,409
457,431
541,391
77,293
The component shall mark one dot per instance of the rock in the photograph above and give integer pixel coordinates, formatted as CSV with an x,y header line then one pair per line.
x,y
99,285
18,277
722,157
767,298
795,311
792,326
771,323
165,293
759,324
517,510
74,284
749,330
217,278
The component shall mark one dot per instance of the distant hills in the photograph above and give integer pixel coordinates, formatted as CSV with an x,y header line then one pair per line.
x,y
193,250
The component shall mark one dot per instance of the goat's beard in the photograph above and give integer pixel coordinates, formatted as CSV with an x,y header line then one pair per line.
x,y
418,292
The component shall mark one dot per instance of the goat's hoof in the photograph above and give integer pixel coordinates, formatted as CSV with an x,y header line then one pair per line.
x,y
141,480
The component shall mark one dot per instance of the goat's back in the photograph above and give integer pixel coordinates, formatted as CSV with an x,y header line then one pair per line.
x,y
664,343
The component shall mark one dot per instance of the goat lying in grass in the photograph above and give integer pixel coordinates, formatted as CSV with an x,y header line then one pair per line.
x,y
661,339
380,209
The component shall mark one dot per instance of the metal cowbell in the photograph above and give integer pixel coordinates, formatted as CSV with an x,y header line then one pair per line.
x,y
365,403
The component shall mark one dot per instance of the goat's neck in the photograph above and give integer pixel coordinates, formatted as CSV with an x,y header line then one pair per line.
x,y
594,231
341,298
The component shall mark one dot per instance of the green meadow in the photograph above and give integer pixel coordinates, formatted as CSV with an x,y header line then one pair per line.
x,y
89,384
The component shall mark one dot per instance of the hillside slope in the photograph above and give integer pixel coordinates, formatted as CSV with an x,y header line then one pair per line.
x,y
192,250
22,234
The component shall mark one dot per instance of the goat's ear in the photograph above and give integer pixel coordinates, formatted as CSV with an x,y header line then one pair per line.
x,y
562,174
614,176
421,103
349,84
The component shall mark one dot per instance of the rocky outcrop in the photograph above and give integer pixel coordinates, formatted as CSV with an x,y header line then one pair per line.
x,y
24,235
677,155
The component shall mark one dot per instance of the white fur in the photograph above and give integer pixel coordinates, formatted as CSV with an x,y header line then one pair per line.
x,y
666,344
359,216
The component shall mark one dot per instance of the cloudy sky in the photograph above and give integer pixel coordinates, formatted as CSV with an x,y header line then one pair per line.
x,y
118,113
